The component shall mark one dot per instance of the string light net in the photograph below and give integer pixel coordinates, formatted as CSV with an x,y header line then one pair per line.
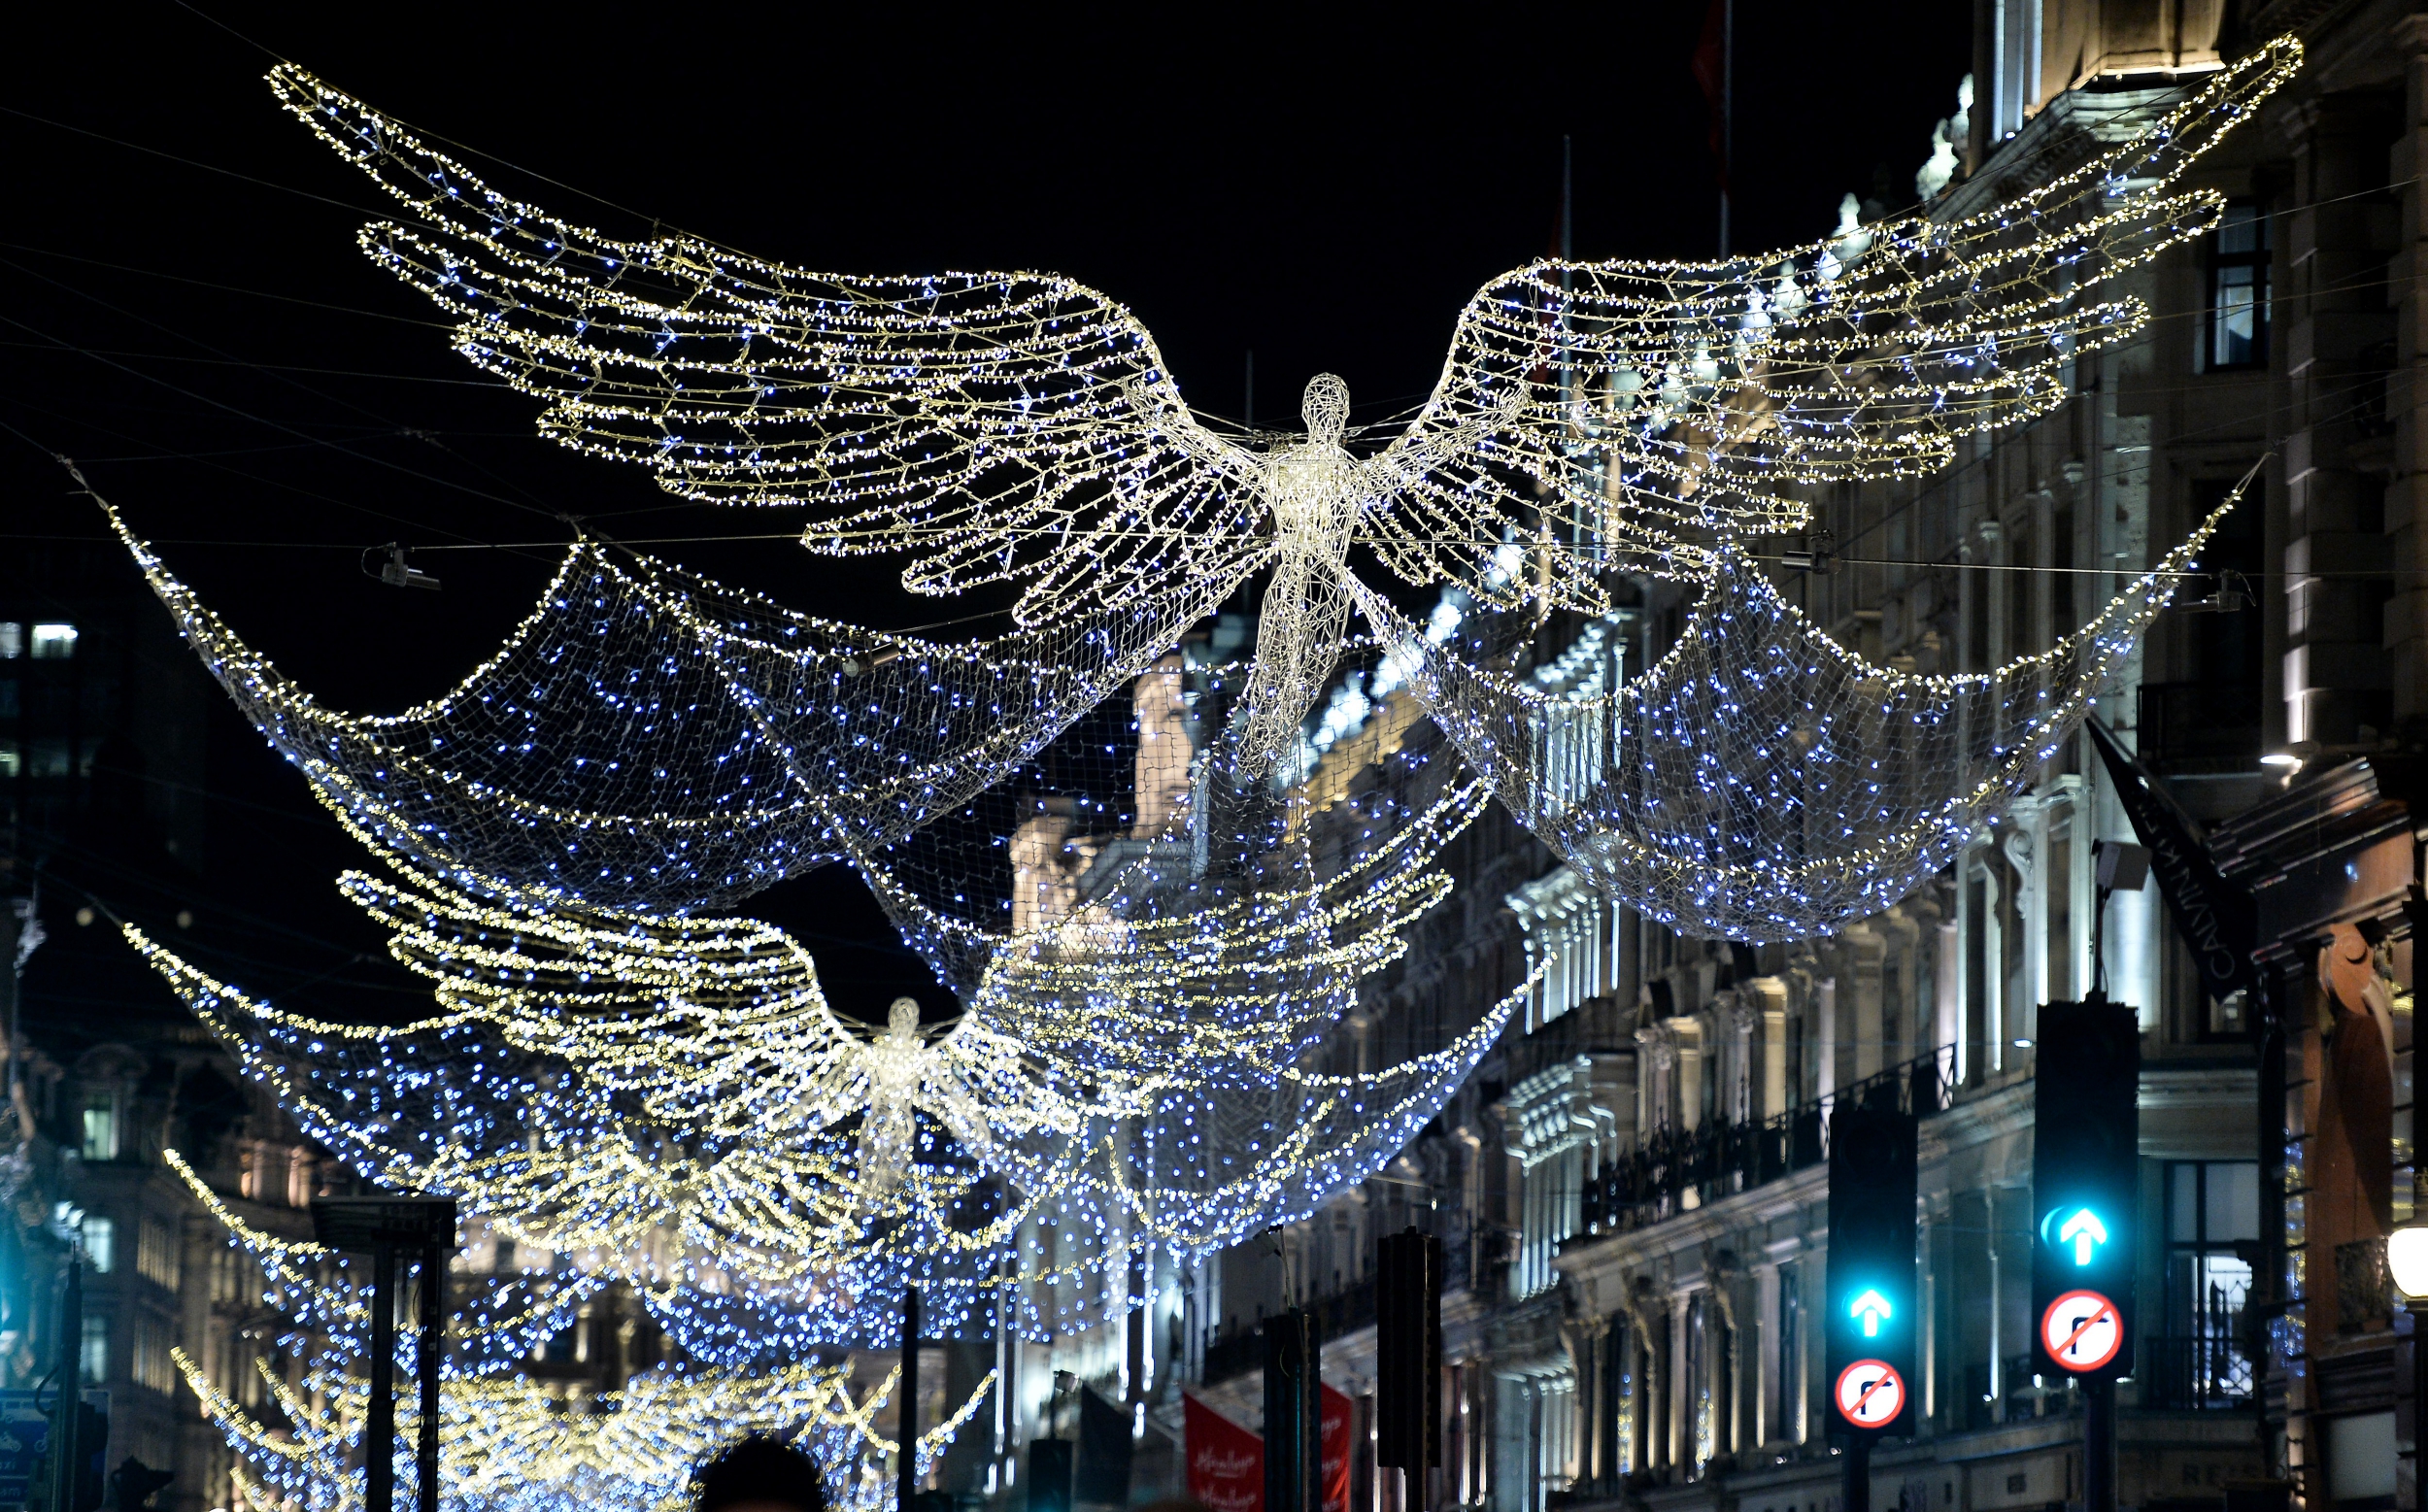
x,y
496,1321
1761,782
509,1442
1217,961
648,738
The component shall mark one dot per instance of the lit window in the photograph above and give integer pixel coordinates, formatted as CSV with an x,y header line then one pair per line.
x,y
2238,292
12,763
54,642
101,1124
2213,1234
156,1254
151,1367
95,1357
11,640
101,1244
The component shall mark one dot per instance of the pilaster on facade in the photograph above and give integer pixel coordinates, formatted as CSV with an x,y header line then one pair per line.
x,y
2335,339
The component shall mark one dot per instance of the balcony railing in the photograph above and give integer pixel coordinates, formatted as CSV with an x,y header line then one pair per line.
x,y
1651,1182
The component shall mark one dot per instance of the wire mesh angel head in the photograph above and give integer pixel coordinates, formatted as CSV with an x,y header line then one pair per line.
x,y
1325,409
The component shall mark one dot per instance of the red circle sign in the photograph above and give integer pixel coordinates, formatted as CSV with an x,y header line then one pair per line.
x,y
2082,1332
1871,1394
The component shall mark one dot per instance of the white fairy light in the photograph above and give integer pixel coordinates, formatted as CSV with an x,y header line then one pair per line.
x,y
1023,427
651,738
507,1442
1761,782
671,1100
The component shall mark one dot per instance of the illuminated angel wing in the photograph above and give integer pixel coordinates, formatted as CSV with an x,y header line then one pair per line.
x,y
1006,426
1654,405
670,1091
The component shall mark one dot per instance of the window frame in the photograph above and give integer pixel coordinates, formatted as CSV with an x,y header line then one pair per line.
x,y
2219,264
2179,1315
109,1103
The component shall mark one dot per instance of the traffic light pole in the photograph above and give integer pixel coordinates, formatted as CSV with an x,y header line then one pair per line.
x,y
2099,1446
906,1464
1855,1493
1407,1361
397,1232
380,1431
2085,1187
426,1369
65,1451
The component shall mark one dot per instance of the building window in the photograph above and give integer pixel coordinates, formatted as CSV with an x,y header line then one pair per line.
x,y
93,1358
1790,1355
2238,291
302,1176
151,1367
101,1122
11,640
101,1244
2361,1460
2212,1239
156,1254
53,642
1620,1397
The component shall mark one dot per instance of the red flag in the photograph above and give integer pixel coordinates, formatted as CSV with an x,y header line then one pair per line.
x,y
1710,69
1227,1462
1334,1415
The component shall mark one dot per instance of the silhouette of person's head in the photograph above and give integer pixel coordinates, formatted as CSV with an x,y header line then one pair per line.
x,y
760,1475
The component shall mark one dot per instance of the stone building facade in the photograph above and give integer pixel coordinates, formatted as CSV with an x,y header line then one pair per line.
x,y
1632,1186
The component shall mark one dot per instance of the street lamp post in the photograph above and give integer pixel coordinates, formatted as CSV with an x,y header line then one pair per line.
x,y
2407,1263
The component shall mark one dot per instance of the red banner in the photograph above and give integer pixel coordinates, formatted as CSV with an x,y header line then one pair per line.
x,y
1227,1462
1334,1418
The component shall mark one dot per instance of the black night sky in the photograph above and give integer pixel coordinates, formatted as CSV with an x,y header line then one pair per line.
x,y
189,317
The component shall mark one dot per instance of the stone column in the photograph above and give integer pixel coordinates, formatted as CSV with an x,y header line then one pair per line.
x,y
1860,1024
1687,1038
1741,1019
1656,1056
1681,1427
1766,1383
2025,842
1771,993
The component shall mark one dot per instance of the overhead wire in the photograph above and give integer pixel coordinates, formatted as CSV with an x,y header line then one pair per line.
x,y
279,377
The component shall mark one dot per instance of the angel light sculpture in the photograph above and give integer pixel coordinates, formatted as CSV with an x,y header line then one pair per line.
x,y
902,1073
1021,428
673,1099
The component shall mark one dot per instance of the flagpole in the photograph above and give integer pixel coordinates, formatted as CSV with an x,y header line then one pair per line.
x,y
1727,112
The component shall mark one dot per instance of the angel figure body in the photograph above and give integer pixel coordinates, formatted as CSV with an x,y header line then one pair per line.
x,y
1316,490
900,1068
